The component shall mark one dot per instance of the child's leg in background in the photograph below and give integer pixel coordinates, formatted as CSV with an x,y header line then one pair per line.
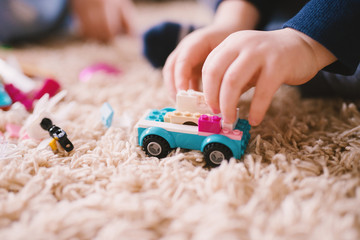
x,y
213,4
160,40
23,20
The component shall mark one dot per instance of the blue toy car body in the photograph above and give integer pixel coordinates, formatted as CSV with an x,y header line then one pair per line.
x,y
158,138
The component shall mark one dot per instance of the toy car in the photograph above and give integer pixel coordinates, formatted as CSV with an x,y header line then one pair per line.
x,y
190,126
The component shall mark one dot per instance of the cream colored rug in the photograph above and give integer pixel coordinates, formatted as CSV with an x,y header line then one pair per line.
x,y
299,178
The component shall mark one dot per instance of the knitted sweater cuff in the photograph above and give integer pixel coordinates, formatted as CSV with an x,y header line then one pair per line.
x,y
334,24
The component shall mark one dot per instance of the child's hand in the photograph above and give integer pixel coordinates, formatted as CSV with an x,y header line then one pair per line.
x,y
261,59
103,19
182,69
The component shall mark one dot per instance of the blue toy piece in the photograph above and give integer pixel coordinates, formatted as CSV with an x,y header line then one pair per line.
x,y
158,138
107,114
158,115
5,100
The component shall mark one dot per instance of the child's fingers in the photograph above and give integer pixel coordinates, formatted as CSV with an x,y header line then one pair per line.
x,y
127,11
264,92
112,20
94,22
213,72
190,57
239,77
194,80
83,18
188,60
168,73
89,26
183,69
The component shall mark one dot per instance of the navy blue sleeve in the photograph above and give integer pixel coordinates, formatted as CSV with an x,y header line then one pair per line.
x,y
336,25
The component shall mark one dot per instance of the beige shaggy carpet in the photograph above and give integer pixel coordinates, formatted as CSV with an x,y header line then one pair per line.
x,y
299,178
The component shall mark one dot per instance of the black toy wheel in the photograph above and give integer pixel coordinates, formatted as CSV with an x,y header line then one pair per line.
x,y
215,153
156,146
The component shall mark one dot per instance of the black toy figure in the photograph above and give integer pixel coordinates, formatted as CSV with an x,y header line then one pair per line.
x,y
57,133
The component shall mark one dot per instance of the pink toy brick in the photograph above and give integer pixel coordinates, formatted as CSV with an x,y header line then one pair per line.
x,y
232,134
211,124
17,96
12,130
25,136
50,86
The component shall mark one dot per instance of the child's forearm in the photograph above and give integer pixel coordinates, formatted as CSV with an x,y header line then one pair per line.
x,y
236,15
334,24
323,56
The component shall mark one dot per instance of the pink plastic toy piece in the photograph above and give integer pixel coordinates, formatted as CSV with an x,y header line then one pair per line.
x,y
13,130
210,124
232,134
17,96
50,86
87,73
25,136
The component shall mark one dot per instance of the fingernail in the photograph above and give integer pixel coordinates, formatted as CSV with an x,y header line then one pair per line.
x,y
253,122
215,111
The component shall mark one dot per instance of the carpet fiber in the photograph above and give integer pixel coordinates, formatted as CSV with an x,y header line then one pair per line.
x,y
299,178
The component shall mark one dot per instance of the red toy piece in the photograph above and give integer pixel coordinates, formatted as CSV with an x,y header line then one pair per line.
x,y
50,86
17,96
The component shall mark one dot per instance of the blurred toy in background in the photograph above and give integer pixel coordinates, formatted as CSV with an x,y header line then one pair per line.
x,y
87,73
20,87
50,86
12,130
5,100
57,134
12,75
17,96
192,126
107,114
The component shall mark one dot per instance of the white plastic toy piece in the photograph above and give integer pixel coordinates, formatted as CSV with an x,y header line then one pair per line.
x,y
107,114
13,76
194,102
12,61
44,144
182,117
230,126
191,101
42,109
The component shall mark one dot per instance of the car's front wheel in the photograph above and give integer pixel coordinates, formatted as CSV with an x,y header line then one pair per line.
x,y
215,153
156,146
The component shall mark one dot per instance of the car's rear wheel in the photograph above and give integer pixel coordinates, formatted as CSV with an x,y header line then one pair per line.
x,y
215,153
156,146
